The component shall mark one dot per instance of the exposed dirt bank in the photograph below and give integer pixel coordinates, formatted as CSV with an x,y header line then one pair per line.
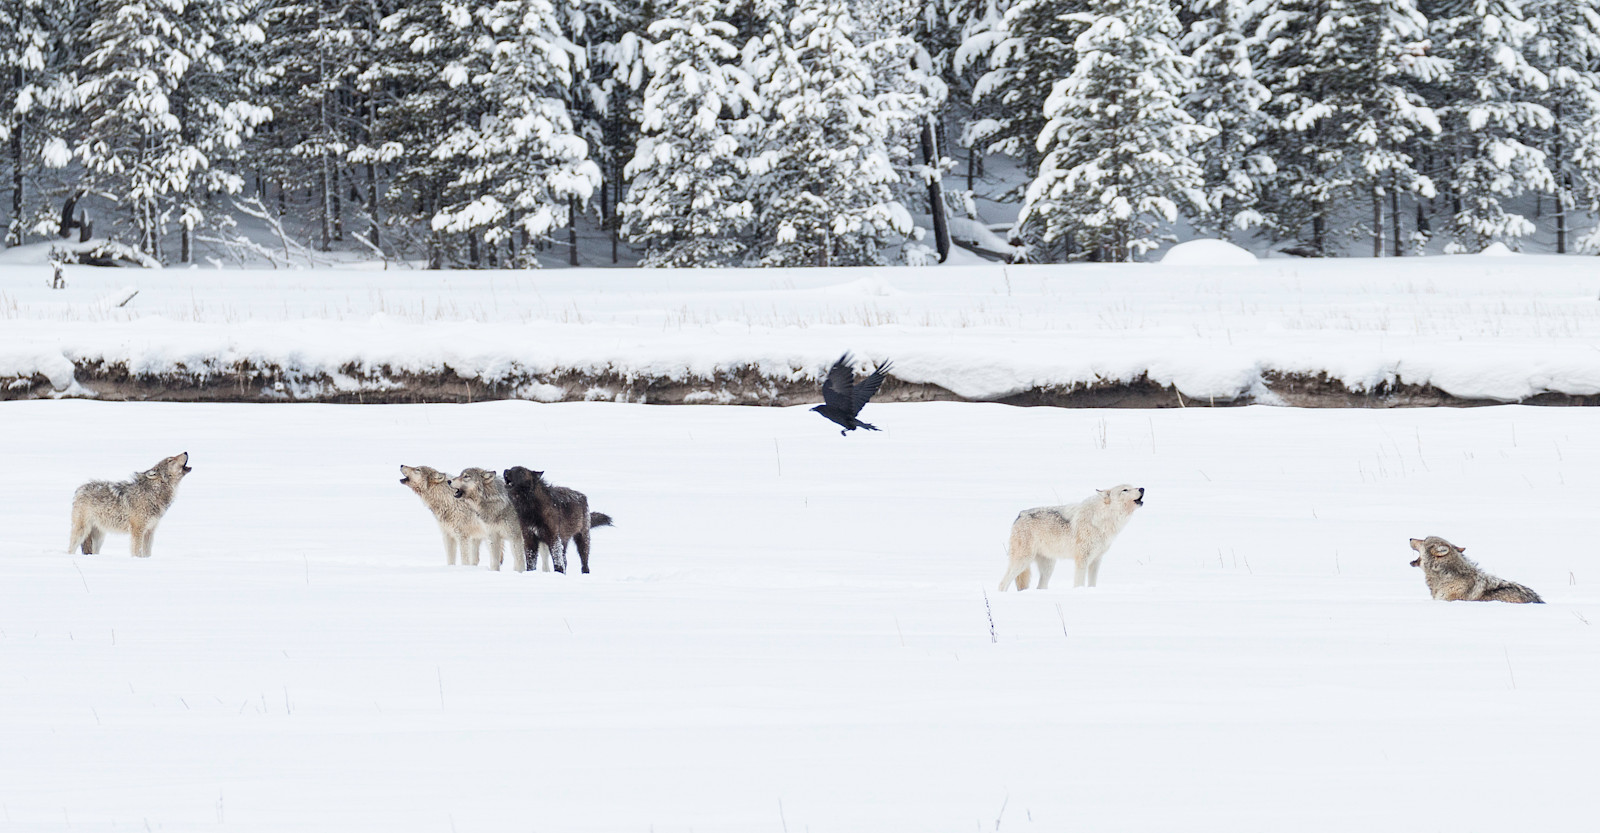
x,y
745,386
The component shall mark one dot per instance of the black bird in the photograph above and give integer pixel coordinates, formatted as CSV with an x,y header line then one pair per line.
x,y
842,398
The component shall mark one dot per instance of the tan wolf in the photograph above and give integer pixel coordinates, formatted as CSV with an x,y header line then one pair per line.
x,y
1453,577
1082,532
133,506
485,492
461,527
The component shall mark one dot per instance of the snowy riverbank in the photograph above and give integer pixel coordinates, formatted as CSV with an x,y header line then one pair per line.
x,y
1467,328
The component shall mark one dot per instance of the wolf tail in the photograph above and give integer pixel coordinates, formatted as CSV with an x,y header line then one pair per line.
x,y
599,519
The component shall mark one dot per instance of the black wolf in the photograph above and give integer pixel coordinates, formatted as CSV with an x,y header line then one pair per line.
x,y
551,515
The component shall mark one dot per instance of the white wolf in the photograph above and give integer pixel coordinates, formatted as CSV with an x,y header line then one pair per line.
x,y
1082,532
485,492
461,527
133,506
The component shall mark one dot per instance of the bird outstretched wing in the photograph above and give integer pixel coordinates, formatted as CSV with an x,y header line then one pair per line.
x,y
836,390
865,389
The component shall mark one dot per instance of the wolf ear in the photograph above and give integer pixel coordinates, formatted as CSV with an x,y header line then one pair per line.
x,y
1105,496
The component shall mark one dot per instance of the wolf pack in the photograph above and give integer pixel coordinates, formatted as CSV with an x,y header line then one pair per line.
x,y
518,508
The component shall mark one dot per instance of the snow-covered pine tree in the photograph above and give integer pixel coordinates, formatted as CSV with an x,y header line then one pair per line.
x,y
688,204
1227,98
157,100
612,96
824,183
518,164
952,31
1566,49
910,94
316,51
1345,110
415,45
1117,148
27,34
1026,54
1492,111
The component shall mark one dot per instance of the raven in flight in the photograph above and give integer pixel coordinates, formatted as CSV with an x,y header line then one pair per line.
x,y
842,399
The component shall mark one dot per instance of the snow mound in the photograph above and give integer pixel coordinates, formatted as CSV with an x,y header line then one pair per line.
x,y
1207,252
872,287
1497,249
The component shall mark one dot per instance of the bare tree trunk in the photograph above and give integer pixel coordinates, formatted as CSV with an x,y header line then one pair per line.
x,y
186,247
338,207
1561,214
572,230
372,170
1377,220
930,157
324,183
1394,212
14,228
1319,232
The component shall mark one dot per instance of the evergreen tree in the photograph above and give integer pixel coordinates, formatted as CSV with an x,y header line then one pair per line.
x,y
1227,98
1031,49
822,171
1566,49
1492,111
27,72
688,205
909,94
317,51
517,164
414,47
613,100
1346,113
157,101
1117,148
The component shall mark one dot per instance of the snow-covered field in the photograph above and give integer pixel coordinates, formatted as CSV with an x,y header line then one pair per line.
x,y
786,630
1474,326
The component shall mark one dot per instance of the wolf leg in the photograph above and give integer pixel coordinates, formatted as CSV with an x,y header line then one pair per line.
x,y
469,552
1013,573
449,550
1046,567
519,555
582,540
149,541
1094,571
136,538
1080,572
80,532
497,552
558,556
96,542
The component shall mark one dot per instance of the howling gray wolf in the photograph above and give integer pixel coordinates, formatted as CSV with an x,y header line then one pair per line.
x,y
1082,532
1453,577
552,515
485,492
133,506
461,527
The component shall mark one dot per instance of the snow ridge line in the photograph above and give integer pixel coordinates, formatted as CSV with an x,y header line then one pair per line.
x,y
742,385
